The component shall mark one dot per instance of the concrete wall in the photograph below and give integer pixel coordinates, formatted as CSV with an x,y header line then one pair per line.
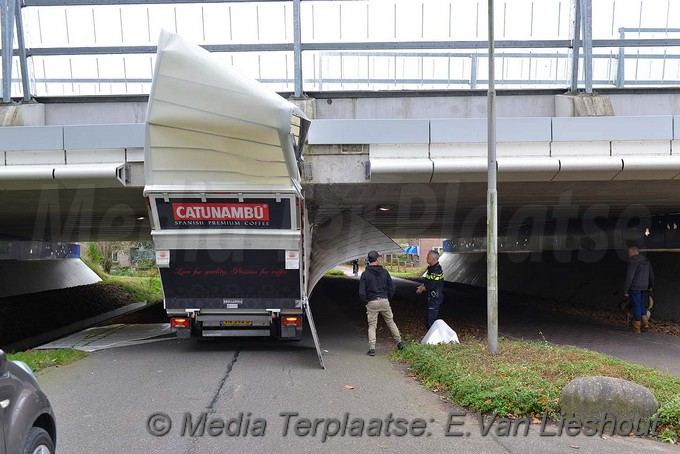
x,y
538,105
18,277
455,106
593,279
434,107
648,104
91,113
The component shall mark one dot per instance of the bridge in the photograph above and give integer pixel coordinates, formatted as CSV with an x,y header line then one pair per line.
x,y
379,169
407,163
409,177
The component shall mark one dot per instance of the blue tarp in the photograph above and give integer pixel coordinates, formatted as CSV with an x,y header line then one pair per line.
x,y
411,250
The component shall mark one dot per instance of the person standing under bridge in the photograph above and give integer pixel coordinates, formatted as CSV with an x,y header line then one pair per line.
x,y
375,289
639,280
434,286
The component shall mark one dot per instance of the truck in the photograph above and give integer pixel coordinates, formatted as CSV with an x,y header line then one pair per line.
x,y
230,264
222,185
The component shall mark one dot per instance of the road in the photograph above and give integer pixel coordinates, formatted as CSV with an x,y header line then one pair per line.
x,y
103,402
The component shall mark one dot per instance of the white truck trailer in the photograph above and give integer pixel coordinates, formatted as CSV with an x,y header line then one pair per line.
x,y
223,189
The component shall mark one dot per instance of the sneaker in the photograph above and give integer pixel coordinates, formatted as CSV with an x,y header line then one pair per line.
x,y
371,352
400,346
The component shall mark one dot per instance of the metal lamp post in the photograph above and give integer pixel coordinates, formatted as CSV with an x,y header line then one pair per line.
x,y
491,198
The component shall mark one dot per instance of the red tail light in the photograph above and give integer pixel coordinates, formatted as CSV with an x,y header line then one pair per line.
x,y
180,322
288,321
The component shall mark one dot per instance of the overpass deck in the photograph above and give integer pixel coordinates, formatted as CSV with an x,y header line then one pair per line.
x,y
381,170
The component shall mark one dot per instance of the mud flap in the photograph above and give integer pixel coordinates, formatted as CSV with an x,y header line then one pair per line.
x,y
312,327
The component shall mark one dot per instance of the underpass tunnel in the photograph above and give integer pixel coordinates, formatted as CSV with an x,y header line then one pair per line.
x,y
373,193
341,238
574,258
579,263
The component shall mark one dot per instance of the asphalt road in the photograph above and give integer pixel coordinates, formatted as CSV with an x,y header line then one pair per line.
x,y
103,403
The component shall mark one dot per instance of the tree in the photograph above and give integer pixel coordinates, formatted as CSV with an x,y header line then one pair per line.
x,y
107,248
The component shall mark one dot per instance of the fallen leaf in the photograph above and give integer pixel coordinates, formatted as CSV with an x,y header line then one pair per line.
x,y
349,387
535,421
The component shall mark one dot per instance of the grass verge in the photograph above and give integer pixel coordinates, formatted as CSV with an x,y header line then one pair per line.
x,y
412,273
526,378
142,285
141,288
40,359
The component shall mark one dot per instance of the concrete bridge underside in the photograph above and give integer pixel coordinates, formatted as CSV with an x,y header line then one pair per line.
x,y
448,209
69,215
429,209
439,210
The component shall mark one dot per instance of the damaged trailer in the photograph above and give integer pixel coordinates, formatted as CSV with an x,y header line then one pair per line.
x,y
223,189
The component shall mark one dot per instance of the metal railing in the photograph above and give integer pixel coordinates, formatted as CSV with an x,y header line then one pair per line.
x,y
318,66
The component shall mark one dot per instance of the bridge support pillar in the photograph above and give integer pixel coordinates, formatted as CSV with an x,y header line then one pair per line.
x,y
583,105
31,114
307,105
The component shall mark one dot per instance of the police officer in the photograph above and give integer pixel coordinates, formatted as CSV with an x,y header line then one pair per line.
x,y
434,286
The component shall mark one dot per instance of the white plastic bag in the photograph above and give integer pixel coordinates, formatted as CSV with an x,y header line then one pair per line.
x,y
440,333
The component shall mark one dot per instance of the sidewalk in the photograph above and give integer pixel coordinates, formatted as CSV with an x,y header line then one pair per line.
x,y
655,350
650,349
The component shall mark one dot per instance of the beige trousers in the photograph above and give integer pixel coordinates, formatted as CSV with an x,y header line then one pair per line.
x,y
375,307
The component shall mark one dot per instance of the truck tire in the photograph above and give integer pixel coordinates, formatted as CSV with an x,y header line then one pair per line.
x,y
38,441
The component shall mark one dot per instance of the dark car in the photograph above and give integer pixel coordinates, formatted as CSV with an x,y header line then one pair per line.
x,y
27,423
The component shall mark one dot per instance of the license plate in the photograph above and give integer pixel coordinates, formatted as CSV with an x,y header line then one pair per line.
x,y
236,322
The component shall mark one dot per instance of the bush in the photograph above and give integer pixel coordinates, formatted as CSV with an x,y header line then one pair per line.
x,y
94,252
146,265
122,271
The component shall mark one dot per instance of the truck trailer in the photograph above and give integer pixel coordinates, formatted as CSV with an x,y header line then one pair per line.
x,y
222,184
230,264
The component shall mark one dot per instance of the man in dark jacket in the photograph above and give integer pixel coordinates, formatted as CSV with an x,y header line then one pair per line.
x,y
639,279
375,290
434,286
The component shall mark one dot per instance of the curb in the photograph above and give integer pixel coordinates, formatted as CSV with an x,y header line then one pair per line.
x,y
49,336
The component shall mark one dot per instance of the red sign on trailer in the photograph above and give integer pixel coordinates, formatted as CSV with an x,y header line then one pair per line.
x,y
221,211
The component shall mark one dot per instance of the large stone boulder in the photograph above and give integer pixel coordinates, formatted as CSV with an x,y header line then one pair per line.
x,y
595,397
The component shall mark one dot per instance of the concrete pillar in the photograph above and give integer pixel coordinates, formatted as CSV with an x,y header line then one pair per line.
x,y
306,104
583,105
31,114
